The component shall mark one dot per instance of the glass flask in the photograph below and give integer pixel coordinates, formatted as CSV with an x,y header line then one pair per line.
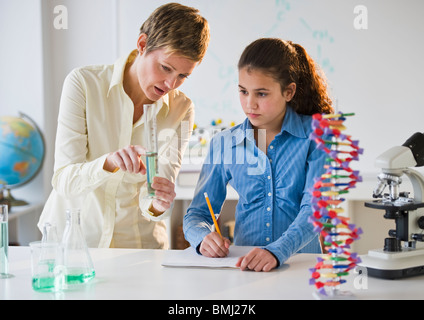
x,y
76,257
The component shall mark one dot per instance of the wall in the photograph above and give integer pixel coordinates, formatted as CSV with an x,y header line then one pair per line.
x,y
21,73
36,56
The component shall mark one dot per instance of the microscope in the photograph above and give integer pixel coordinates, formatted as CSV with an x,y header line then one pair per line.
x,y
403,251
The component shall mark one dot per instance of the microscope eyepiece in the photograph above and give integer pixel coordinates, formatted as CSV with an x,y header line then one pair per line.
x,y
416,144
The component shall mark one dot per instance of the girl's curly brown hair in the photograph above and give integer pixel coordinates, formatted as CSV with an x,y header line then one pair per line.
x,y
287,62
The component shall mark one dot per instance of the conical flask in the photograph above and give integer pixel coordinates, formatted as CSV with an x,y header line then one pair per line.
x,y
50,249
76,257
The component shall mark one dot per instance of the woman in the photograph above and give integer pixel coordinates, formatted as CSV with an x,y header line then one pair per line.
x,y
99,145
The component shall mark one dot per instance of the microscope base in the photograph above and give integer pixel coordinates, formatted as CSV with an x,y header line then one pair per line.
x,y
394,265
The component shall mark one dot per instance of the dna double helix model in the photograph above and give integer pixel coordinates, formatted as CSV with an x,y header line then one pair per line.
x,y
336,233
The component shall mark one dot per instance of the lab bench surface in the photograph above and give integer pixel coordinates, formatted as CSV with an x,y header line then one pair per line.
x,y
134,274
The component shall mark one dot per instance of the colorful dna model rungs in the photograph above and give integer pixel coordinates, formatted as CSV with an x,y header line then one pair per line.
x,y
327,218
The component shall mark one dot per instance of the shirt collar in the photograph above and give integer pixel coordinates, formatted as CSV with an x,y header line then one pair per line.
x,y
163,103
292,124
118,79
244,130
118,70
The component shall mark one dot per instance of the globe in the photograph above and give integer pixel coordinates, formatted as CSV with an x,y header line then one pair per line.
x,y
22,151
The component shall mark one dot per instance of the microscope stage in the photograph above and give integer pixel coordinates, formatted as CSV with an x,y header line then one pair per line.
x,y
394,206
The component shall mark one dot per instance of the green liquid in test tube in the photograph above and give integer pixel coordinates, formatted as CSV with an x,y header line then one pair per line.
x,y
4,243
150,132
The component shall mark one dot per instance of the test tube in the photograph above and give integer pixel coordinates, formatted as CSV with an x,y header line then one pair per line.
x,y
4,243
151,143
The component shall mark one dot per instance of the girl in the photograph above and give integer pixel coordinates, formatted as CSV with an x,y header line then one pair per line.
x,y
100,130
268,159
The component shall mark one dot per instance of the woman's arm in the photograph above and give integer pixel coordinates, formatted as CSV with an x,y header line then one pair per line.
x,y
73,174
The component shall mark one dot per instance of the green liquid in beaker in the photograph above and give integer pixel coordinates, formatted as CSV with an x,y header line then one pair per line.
x,y
46,280
40,283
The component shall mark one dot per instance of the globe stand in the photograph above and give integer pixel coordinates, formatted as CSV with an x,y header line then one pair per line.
x,y
14,202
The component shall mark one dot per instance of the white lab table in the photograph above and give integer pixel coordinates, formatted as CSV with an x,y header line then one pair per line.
x,y
137,274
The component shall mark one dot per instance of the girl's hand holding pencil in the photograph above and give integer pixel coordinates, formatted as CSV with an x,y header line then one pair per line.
x,y
215,246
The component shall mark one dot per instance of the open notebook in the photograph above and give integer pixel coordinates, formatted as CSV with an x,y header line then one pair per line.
x,y
190,258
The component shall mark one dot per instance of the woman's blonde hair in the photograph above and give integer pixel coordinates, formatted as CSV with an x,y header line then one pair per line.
x,y
178,29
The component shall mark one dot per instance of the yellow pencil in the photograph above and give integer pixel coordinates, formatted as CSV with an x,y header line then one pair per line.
x,y
212,214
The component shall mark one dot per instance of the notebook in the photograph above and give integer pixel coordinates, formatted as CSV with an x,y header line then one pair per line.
x,y
190,258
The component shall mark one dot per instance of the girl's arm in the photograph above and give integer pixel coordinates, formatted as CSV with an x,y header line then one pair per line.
x,y
198,222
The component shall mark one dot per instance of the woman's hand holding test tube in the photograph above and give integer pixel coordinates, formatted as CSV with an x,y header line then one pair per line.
x,y
129,159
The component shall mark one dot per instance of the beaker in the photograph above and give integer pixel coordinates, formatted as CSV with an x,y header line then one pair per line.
x,y
151,145
47,266
76,257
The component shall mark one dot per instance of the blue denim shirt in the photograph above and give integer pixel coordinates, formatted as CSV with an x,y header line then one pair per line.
x,y
274,189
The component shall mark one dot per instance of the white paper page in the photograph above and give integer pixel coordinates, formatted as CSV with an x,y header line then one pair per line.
x,y
190,258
